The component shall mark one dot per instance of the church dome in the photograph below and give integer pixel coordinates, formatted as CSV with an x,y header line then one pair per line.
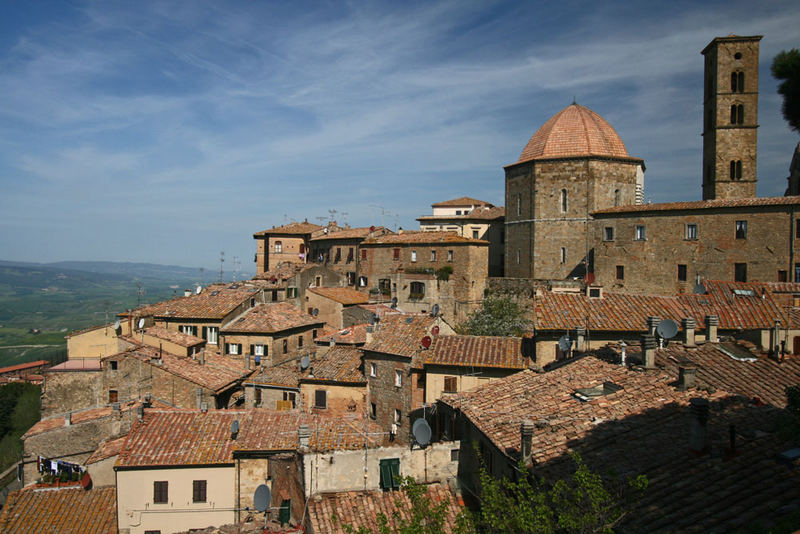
x,y
573,132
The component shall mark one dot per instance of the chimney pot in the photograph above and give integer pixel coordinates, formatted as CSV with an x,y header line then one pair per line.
x,y
698,438
68,419
712,322
652,324
115,407
526,436
649,351
689,325
686,377
140,412
580,338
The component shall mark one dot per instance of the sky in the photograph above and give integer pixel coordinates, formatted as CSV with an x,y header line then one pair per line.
x,y
167,132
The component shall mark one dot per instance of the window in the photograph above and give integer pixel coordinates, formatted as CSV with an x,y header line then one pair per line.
x,y
161,492
519,255
563,201
338,256
398,417
476,234
737,82
278,247
285,346
608,233
620,272
797,228
198,491
563,255
433,255
363,254
274,295
290,396
385,286
413,255
691,231
453,455
189,330
736,169
152,532
797,272
362,281
681,273
450,254
783,276
350,253
450,384
212,334
351,278
114,365
640,234
233,348
320,398
398,378
741,229
740,272
616,197
299,341
458,212
257,396
396,254
417,290
390,474
318,281
737,114
373,410
113,395
373,369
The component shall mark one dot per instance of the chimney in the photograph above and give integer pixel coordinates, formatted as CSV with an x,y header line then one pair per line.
x,y
652,324
580,339
204,407
623,353
115,408
140,412
712,321
68,419
147,400
698,437
526,435
400,231
304,435
187,292
688,331
686,377
198,393
247,362
649,351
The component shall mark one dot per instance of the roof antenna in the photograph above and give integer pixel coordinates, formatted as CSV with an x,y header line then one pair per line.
x,y
574,102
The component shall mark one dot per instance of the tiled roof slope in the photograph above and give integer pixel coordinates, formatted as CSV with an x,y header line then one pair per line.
x,y
328,512
282,272
82,416
400,335
342,295
341,363
352,335
481,213
462,201
423,238
70,510
270,318
191,437
754,202
21,366
106,449
285,374
215,302
295,228
572,132
352,233
179,338
474,351
736,311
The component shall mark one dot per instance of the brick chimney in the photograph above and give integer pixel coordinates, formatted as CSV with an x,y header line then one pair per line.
x,y
304,435
580,339
526,437
652,324
698,436
198,393
686,377
712,322
68,419
688,331
649,350
140,412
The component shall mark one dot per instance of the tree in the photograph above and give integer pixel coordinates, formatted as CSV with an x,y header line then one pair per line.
x,y
497,316
786,67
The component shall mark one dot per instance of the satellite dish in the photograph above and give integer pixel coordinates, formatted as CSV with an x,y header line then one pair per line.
x,y
394,302
198,290
565,343
316,312
116,325
426,341
262,498
421,431
141,323
373,318
304,362
699,289
435,310
667,329
435,330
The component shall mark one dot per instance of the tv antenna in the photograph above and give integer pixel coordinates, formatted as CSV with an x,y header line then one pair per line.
x,y
332,215
201,275
221,261
139,293
236,265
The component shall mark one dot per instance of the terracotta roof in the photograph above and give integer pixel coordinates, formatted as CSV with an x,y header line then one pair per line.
x,y
794,317
215,302
342,295
352,335
173,336
21,366
280,273
462,201
78,364
63,510
218,372
106,449
783,287
294,228
424,238
270,318
285,375
704,205
352,233
474,351
327,512
340,364
401,335
191,437
77,417
739,305
573,132
479,214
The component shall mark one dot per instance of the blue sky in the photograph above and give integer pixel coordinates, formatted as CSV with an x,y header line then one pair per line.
x,y
168,132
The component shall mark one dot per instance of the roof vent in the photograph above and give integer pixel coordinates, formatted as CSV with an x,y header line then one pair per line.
x,y
304,435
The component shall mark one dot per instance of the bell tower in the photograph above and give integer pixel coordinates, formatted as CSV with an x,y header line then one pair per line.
x,y
730,117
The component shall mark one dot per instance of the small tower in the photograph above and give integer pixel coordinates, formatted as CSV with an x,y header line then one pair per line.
x,y
730,117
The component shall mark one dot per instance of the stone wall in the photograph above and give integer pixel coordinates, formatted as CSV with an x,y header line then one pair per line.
x,y
329,312
341,400
68,391
250,473
388,397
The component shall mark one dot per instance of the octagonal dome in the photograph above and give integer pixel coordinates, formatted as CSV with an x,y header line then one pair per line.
x,y
575,131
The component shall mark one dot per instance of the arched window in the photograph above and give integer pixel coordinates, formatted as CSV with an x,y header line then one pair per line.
x,y
737,82
278,247
737,114
563,202
616,197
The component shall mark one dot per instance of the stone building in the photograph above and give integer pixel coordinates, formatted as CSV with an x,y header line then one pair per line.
x,y
284,244
470,217
575,164
328,304
730,117
338,249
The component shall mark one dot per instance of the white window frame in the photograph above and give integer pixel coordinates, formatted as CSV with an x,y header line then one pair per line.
x,y
212,332
692,231
398,416
433,255
640,232
398,378
373,369
233,349
278,247
413,255
259,350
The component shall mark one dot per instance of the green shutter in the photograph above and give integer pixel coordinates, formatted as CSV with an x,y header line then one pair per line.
x,y
390,474
285,513
251,349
